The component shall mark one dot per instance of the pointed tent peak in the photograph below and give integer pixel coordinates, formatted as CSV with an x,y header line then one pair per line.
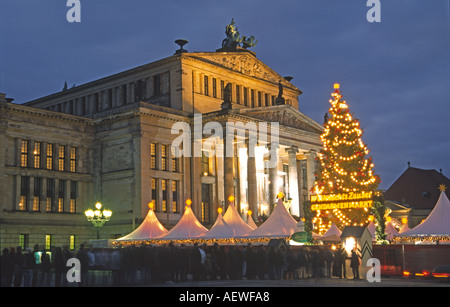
x,y
151,205
150,228
332,234
404,228
280,223
436,224
187,227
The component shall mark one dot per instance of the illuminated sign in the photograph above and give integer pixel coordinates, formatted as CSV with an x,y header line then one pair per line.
x,y
352,200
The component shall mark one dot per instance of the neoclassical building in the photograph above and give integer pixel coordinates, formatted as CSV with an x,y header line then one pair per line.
x,y
113,140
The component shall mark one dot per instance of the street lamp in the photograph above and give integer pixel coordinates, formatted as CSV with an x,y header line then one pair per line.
x,y
98,217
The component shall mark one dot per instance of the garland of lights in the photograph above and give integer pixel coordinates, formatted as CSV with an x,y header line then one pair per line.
x,y
343,166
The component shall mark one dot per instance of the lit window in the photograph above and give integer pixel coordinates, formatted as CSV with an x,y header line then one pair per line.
x,y
174,196
164,157
153,156
214,87
37,154
36,203
73,159
72,242
24,153
164,195
175,152
50,156
61,157
48,241
154,194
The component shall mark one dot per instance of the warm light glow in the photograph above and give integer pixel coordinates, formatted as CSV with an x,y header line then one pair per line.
x,y
280,195
349,244
205,174
151,205
98,206
219,210
336,86
89,213
188,202
231,198
249,212
404,220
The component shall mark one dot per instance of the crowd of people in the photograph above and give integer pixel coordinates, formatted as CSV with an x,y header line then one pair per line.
x,y
171,263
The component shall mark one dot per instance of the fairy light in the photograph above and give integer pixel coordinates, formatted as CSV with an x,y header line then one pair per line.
x,y
343,166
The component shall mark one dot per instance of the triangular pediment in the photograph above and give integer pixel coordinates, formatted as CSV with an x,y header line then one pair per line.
x,y
245,63
286,115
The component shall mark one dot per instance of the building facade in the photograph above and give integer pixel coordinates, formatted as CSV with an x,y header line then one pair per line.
x,y
113,141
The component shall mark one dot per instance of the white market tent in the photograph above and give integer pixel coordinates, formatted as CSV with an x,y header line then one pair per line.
x,y
279,224
390,231
404,228
437,224
188,227
149,229
251,222
332,234
230,226
371,228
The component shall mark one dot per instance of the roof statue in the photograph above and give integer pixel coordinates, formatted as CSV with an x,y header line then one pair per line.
x,y
149,229
234,39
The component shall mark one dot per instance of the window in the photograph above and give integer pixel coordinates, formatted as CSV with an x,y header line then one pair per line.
x,y
245,96
24,190
48,241
238,94
252,98
24,240
222,88
61,157
50,156
37,194
50,195
214,87
72,242
24,153
205,79
164,157
157,85
259,99
73,159
124,94
174,196
266,98
154,194
205,164
110,98
164,195
37,155
153,156
61,192
73,196
175,152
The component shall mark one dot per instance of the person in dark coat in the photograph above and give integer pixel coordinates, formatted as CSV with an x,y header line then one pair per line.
x,y
59,266
354,264
84,264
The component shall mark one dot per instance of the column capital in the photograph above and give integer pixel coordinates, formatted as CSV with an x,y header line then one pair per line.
x,y
292,150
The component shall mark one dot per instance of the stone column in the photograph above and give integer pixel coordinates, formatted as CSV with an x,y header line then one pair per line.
x,y
310,170
273,176
252,181
228,168
293,182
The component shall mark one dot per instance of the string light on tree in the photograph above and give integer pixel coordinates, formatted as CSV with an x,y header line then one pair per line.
x,y
343,164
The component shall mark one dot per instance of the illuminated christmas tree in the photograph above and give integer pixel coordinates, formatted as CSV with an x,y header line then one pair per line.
x,y
343,165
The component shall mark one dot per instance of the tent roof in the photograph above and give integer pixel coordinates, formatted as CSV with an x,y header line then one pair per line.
x,y
437,223
404,228
332,234
354,231
187,227
279,224
251,222
390,231
150,228
231,225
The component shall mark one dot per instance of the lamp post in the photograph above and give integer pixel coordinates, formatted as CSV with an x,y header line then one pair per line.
x,y
98,217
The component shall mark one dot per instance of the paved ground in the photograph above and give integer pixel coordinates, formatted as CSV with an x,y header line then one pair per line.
x,y
312,282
